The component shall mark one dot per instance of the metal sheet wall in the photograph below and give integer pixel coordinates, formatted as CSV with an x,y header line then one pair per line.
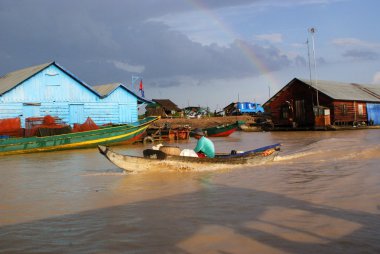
x,y
373,113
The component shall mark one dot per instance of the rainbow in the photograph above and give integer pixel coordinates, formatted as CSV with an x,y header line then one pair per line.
x,y
247,51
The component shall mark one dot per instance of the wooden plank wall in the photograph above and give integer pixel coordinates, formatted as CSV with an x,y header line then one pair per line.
x,y
351,115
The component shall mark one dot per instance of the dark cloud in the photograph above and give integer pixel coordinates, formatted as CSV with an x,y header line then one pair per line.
x,y
300,61
361,54
88,36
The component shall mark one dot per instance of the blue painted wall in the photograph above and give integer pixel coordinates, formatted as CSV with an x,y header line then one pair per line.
x,y
53,92
126,110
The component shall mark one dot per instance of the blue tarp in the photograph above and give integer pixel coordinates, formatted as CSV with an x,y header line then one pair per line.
x,y
373,113
250,107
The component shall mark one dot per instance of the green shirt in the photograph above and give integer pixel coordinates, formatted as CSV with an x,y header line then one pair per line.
x,y
205,146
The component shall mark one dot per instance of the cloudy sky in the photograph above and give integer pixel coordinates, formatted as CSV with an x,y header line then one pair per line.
x,y
196,52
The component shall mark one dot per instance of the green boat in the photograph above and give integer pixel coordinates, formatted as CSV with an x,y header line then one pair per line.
x,y
110,135
222,130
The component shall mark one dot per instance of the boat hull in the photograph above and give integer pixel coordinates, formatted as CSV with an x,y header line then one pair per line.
x,y
222,130
105,136
225,133
158,162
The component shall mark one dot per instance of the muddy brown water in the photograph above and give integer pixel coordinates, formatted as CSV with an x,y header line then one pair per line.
x,y
320,195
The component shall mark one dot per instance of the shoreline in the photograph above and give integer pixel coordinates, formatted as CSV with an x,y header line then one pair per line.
x,y
207,122
204,122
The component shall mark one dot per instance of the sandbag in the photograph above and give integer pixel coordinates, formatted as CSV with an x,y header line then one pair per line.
x,y
170,150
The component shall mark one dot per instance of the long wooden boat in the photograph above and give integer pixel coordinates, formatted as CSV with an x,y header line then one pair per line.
x,y
155,159
222,130
118,134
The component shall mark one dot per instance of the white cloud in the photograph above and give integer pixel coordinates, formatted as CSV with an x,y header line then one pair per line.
x,y
199,27
376,78
353,42
127,67
299,45
273,38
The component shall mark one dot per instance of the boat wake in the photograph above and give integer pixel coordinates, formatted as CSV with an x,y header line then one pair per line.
x,y
331,149
109,172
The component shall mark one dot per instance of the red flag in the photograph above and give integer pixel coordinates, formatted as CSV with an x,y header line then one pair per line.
x,y
141,89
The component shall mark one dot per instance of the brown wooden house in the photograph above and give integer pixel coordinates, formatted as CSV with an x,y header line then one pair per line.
x,y
319,104
163,108
230,108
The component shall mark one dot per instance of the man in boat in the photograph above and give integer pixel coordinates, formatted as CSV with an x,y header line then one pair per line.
x,y
205,147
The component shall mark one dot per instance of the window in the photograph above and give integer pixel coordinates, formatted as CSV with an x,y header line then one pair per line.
x,y
51,73
360,110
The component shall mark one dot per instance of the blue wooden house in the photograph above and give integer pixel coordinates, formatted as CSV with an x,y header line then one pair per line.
x,y
119,103
49,89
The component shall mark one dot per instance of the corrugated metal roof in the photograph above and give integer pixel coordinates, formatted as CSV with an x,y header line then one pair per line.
x,y
167,104
375,90
107,89
346,91
12,79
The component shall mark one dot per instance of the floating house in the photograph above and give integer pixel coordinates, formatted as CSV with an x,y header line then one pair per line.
x,y
319,104
162,107
195,112
49,89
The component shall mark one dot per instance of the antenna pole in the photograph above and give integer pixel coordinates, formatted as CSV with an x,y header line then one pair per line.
x,y
134,79
312,31
308,55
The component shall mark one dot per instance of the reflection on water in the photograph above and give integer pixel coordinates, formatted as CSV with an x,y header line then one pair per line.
x,y
320,195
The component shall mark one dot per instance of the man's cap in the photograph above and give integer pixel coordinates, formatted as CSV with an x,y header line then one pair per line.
x,y
198,132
